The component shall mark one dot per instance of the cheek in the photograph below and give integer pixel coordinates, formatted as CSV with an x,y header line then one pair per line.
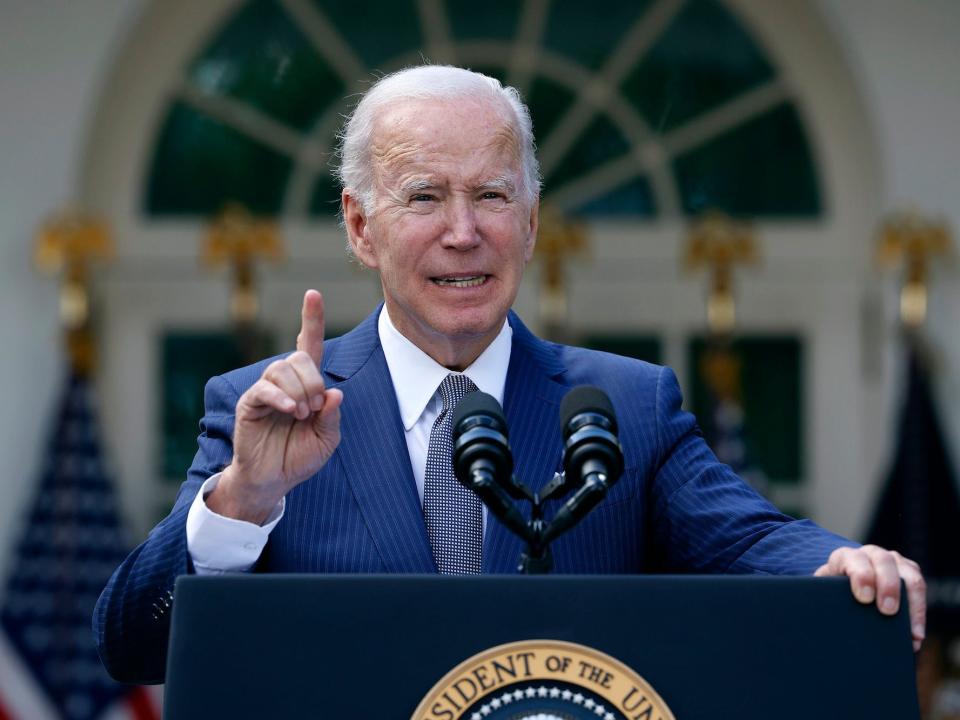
x,y
515,247
401,261
511,228
411,236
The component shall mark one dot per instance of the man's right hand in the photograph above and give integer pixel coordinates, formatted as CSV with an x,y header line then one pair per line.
x,y
287,427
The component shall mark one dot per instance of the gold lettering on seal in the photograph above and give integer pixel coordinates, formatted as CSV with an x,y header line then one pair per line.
x,y
515,665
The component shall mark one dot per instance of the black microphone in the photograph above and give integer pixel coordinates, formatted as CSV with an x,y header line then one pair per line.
x,y
480,437
591,449
482,460
592,456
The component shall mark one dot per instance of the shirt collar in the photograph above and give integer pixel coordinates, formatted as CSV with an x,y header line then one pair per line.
x,y
416,376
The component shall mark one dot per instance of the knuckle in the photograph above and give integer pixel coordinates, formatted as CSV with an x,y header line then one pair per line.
x,y
273,368
888,582
879,555
862,565
890,561
259,387
850,559
304,364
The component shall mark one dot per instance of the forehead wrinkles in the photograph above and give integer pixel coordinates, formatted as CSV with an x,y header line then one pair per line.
x,y
506,139
399,140
389,157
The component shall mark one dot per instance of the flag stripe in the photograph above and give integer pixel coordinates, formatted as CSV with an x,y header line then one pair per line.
x,y
20,695
142,706
71,543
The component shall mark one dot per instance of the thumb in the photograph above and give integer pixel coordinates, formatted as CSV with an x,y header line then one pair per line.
x,y
328,419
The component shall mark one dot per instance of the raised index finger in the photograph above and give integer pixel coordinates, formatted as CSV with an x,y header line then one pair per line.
x,y
310,339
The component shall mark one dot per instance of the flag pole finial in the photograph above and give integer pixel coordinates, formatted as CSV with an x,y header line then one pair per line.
x,y
719,243
559,238
238,239
912,239
69,242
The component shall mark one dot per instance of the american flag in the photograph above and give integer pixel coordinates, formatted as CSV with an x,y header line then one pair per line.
x,y
71,543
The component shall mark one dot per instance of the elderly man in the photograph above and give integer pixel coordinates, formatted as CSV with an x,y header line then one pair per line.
x,y
336,457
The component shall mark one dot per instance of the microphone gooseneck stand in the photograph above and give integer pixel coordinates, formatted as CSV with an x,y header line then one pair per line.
x,y
592,459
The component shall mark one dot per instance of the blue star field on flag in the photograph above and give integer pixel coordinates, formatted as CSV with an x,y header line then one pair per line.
x,y
70,544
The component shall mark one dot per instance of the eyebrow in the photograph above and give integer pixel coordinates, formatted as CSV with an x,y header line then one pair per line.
x,y
417,185
501,183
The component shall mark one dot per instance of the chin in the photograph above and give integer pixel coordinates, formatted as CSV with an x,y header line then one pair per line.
x,y
469,326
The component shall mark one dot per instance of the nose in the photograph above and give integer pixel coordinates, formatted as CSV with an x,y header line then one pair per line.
x,y
462,232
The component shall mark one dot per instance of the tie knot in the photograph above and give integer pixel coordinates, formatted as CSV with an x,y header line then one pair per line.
x,y
453,388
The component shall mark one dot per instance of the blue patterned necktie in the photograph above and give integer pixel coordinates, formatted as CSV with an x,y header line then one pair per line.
x,y
453,513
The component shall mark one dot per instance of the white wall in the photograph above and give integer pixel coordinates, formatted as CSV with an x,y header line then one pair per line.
x,y
53,57
905,56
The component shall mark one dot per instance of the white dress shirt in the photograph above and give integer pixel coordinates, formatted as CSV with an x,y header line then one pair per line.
x,y
219,544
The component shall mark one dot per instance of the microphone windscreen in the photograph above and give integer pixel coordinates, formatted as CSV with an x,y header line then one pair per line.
x,y
478,403
585,398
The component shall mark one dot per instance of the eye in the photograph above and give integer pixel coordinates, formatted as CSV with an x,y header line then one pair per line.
x,y
421,197
492,195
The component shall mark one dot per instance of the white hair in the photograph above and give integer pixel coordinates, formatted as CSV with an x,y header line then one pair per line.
x,y
442,82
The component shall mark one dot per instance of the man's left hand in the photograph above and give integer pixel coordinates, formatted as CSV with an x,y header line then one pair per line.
x,y
875,576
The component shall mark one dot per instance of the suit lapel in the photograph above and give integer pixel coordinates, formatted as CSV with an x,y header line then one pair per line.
x,y
373,453
531,402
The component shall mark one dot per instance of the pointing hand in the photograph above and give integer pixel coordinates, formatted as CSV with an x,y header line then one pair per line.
x,y
287,427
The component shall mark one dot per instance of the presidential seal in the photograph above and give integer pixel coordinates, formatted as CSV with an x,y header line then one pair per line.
x,y
542,680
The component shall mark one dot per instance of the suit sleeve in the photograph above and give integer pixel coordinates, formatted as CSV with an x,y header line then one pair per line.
x,y
131,621
706,519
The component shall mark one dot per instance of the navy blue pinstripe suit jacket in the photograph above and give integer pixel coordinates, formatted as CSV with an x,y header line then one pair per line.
x,y
676,508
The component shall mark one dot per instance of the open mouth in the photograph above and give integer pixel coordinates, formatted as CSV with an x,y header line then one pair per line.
x,y
463,281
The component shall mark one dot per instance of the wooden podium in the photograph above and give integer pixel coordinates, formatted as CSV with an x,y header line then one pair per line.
x,y
365,647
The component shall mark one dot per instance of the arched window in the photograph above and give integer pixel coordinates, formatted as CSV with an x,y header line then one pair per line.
x,y
642,109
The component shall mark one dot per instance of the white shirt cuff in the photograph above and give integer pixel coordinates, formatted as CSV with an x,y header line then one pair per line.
x,y
219,544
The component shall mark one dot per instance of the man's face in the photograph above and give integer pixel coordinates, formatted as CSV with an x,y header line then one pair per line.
x,y
450,229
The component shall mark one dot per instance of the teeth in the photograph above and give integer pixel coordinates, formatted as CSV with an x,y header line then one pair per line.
x,y
462,282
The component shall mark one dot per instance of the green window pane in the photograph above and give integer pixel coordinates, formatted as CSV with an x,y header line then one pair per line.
x,y
547,101
325,199
491,20
642,347
262,58
200,164
587,33
761,168
188,360
771,398
704,58
600,142
633,198
376,32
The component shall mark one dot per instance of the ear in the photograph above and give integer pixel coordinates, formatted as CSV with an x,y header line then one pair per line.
x,y
358,228
531,240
